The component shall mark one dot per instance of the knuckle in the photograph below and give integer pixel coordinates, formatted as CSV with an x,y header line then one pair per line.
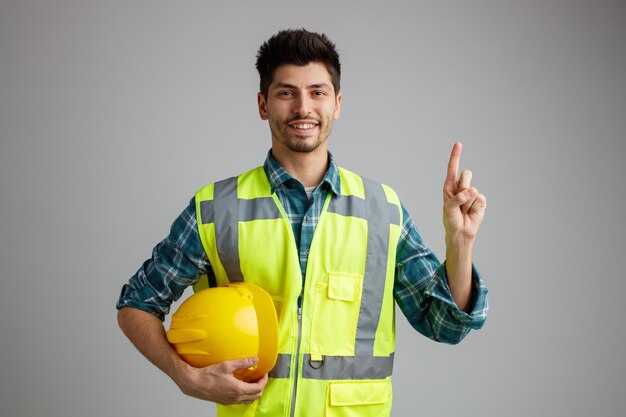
x,y
236,391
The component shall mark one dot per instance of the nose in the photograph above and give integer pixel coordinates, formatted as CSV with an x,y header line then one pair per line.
x,y
302,105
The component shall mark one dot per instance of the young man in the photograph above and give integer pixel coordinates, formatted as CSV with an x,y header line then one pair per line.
x,y
336,252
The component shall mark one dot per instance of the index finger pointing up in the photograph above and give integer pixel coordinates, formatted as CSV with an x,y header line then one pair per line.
x,y
453,164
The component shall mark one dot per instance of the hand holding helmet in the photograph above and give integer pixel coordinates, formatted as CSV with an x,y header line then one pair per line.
x,y
230,322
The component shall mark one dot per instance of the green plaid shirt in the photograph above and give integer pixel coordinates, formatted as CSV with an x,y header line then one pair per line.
x,y
420,288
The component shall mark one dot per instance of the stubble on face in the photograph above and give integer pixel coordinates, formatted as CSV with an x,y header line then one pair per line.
x,y
282,133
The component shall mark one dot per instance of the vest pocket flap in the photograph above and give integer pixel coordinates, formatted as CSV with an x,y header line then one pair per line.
x,y
359,392
343,286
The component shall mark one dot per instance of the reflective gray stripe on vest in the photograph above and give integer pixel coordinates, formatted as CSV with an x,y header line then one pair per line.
x,y
349,205
337,367
256,209
226,211
207,214
378,224
348,367
282,367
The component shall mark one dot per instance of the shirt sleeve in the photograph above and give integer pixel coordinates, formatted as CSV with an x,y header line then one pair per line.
x,y
422,292
176,263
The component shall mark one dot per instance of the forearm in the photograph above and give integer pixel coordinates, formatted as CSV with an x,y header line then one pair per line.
x,y
146,332
459,272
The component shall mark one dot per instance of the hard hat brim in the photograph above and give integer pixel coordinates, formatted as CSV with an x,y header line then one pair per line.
x,y
268,332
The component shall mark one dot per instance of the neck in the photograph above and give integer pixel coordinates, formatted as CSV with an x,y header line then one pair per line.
x,y
307,167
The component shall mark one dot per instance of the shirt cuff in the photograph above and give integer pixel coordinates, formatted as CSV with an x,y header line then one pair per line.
x,y
439,289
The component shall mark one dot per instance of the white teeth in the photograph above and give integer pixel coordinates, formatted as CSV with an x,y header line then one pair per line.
x,y
303,126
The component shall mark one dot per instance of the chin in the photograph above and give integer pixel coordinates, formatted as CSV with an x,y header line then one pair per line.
x,y
302,145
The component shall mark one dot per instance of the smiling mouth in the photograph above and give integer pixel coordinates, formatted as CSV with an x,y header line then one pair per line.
x,y
303,123
303,126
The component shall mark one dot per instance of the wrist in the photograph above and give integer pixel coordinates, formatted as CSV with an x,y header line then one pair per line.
x,y
459,272
459,246
178,370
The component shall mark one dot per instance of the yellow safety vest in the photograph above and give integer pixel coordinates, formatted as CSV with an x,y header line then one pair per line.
x,y
336,352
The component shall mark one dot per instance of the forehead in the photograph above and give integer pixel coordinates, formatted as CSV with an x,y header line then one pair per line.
x,y
301,76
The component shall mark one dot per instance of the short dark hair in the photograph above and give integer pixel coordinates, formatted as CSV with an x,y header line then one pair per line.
x,y
296,47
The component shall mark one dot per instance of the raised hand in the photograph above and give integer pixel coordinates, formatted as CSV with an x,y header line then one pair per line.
x,y
463,206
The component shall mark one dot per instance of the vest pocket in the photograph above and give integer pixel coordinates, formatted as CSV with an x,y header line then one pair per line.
x,y
359,398
335,314
237,410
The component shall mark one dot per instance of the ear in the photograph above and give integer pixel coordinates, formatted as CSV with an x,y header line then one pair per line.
x,y
262,103
338,106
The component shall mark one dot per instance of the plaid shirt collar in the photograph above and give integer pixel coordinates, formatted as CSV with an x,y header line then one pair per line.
x,y
280,179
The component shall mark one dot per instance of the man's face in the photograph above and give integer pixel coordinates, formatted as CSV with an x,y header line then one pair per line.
x,y
300,107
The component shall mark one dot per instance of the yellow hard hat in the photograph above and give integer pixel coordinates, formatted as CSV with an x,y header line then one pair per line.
x,y
234,321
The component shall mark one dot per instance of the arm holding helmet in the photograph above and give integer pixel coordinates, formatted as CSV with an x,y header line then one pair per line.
x,y
214,383
146,299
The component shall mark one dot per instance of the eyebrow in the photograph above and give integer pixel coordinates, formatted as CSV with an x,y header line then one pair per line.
x,y
316,85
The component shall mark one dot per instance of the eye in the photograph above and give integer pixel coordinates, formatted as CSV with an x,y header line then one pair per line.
x,y
285,93
319,93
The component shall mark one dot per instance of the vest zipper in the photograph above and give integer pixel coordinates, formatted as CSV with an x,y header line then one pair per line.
x,y
295,380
